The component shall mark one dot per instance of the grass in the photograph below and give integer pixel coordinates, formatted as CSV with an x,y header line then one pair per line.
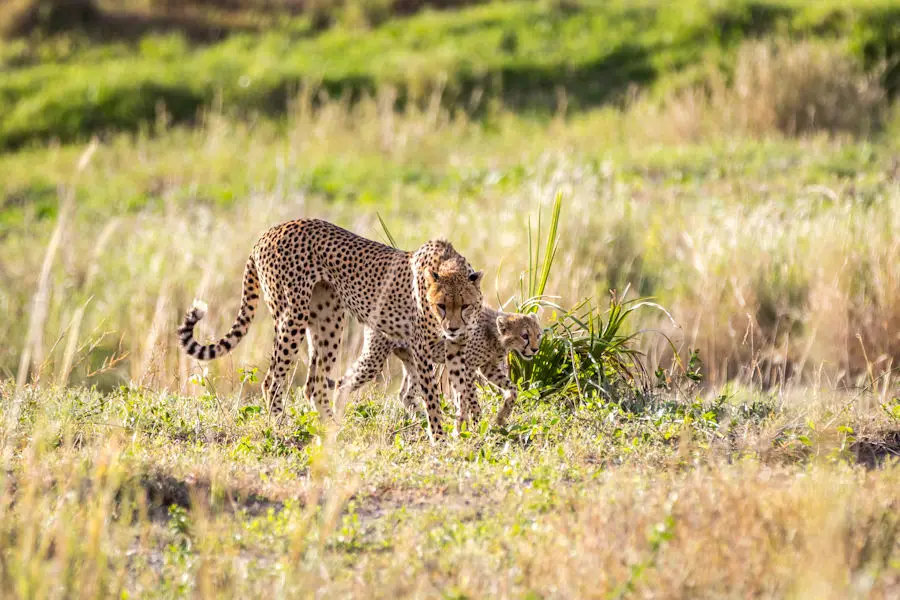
x,y
763,465
200,20
542,57
154,494
829,92
770,255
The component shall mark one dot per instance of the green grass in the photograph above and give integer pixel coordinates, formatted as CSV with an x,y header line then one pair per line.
x,y
520,53
158,495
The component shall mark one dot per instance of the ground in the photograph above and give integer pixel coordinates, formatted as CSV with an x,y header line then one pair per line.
x,y
164,496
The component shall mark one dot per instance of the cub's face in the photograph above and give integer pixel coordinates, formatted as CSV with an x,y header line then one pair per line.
x,y
454,297
520,334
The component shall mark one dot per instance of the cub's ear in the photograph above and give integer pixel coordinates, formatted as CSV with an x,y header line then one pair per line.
x,y
502,324
476,277
433,276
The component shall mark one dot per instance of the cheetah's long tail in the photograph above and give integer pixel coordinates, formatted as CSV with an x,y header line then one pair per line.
x,y
249,302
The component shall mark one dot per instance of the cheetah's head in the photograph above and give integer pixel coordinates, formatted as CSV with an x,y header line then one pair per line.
x,y
454,297
519,333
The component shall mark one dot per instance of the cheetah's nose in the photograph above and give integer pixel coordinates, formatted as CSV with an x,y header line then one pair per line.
x,y
453,329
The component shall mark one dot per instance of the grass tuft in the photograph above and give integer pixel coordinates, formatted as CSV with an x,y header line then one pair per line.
x,y
579,355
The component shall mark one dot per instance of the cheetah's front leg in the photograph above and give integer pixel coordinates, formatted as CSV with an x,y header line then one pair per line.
x,y
462,382
424,374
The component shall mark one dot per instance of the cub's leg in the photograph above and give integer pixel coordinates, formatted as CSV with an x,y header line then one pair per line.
x,y
376,348
499,375
410,387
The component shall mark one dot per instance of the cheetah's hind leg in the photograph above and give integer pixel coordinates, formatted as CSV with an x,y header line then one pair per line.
x,y
326,325
290,329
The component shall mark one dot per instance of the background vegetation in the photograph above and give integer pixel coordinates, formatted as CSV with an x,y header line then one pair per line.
x,y
536,56
726,423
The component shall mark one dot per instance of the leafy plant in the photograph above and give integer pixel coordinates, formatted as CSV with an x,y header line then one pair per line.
x,y
892,408
248,375
246,413
584,351
180,526
693,371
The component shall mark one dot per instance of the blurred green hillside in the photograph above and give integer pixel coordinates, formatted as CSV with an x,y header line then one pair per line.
x,y
124,66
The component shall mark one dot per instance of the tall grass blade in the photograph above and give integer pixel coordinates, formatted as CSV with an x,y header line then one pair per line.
x,y
387,231
540,264
551,248
32,349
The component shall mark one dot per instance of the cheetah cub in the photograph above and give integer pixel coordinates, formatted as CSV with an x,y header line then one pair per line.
x,y
493,336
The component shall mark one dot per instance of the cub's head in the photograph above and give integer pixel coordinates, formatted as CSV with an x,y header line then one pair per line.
x,y
519,333
454,297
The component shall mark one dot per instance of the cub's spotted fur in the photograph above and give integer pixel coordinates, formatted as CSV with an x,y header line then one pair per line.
x,y
310,271
495,334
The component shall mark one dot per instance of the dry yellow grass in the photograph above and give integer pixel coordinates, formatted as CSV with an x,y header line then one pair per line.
x,y
778,259
777,87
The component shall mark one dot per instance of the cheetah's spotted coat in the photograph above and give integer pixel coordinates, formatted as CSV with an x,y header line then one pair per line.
x,y
310,271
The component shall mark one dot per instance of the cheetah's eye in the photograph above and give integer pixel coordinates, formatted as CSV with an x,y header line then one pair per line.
x,y
525,336
466,306
442,307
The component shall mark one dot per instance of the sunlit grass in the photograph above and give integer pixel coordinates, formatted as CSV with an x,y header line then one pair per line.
x,y
768,255
714,411
162,495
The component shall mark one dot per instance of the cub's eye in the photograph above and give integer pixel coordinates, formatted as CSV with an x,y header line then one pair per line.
x,y
466,306
525,336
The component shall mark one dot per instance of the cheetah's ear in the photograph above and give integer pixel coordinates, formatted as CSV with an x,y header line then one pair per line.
x,y
433,275
476,277
502,324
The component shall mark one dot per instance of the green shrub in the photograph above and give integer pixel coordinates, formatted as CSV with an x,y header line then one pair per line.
x,y
582,355
583,352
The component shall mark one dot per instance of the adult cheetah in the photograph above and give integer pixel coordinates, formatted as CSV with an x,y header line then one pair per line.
x,y
309,271
494,335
